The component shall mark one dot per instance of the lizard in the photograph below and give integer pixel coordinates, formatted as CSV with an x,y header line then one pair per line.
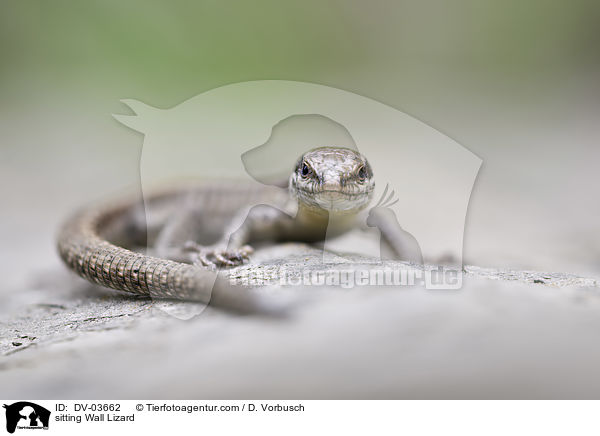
x,y
328,189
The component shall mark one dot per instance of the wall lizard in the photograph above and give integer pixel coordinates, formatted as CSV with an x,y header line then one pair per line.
x,y
212,225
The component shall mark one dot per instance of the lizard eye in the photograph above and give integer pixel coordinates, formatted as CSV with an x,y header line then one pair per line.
x,y
362,174
305,170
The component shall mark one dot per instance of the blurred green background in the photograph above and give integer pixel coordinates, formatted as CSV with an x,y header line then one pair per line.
x,y
168,51
516,82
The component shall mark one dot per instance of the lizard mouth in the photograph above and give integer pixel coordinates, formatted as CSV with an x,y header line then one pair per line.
x,y
335,200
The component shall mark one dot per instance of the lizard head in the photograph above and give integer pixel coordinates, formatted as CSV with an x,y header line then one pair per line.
x,y
332,179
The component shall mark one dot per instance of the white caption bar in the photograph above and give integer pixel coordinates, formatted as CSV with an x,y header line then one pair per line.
x,y
272,417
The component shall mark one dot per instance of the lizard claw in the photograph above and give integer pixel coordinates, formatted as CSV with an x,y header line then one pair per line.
x,y
214,258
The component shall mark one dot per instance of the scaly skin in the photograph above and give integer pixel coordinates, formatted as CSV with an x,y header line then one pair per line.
x,y
106,264
326,181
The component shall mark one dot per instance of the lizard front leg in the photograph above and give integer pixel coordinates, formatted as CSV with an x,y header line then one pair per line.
x,y
178,240
259,223
402,244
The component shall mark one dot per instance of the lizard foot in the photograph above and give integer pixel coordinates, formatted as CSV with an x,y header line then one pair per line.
x,y
214,258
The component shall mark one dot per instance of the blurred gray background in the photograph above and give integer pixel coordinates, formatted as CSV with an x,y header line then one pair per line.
x,y
514,82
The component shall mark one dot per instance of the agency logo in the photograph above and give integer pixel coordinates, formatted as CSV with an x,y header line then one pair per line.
x,y
26,415
256,133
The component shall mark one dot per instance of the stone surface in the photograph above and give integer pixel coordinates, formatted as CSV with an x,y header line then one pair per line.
x,y
505,334
501,336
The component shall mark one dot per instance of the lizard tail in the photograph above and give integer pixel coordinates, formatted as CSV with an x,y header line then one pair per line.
x,y
99,261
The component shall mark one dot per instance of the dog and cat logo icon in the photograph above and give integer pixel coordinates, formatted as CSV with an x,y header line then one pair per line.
x,y
26,415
